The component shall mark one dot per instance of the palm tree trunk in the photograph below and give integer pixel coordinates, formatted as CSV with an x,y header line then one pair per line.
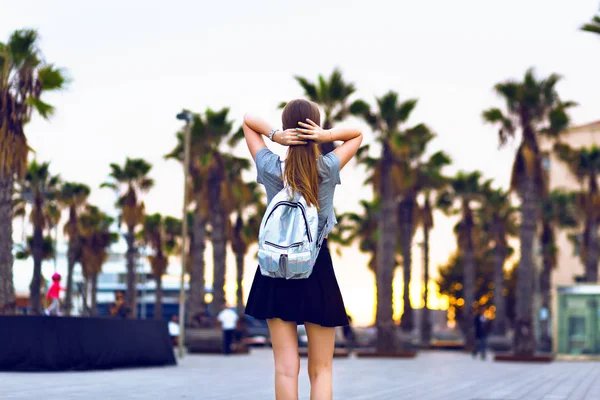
x,y
70,268
593,253
499,326
84,296
425,317
71,259
7,290
217,220
524,335
131,295
469,282
387,340
94,282
219,249
35,297
239,291
546,284
196,293
158,304
407,222
239,247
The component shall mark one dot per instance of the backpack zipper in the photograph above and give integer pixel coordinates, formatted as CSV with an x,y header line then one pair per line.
x,y
291,204
284,247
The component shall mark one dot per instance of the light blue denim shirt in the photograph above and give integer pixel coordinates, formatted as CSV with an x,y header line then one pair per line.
x,y
268,165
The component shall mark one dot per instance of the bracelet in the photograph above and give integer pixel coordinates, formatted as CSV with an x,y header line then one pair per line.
x,y
272,133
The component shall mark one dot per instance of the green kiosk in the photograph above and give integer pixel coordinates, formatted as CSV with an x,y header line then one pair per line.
x,y
578,320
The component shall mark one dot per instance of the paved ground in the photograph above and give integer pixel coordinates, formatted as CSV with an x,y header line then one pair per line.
x,y
431,376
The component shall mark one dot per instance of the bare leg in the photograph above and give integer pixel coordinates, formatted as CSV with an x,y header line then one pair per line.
x,y
284,337
321,343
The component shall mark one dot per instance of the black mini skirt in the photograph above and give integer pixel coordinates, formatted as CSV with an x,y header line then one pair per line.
x,y
316,299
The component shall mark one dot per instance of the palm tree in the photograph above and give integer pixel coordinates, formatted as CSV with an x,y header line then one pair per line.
x,y
199,166
430,180
244,234
133,176
24,78
498,219
246,201
24,251
558,211
162,235
95,239
54,216
332,94
390,175
362,227
464,190
209,183
39,188
218,128
594,25
409,147
533,107
584,164
153,236
73,196
417,175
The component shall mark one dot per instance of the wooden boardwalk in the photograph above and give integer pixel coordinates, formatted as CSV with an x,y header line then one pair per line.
x,y
431,376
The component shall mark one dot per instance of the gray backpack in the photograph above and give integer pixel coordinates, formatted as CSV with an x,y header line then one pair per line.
x,y
288,245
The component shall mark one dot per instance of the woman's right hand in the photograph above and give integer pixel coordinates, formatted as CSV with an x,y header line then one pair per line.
x,y
289,137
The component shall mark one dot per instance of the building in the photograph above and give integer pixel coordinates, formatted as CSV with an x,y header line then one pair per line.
x,y
569,266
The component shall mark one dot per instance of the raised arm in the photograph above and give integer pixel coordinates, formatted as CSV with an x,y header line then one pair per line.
x,y
255,128
351,137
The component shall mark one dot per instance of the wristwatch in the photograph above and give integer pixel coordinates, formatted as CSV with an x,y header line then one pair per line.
x,y
273,131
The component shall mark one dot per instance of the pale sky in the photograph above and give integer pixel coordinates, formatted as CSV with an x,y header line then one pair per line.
x,y
135,64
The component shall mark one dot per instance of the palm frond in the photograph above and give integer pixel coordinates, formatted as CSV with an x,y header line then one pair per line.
x,y
52,78
495,116
593,26
23,47
310,90
44,109
236,137
406,109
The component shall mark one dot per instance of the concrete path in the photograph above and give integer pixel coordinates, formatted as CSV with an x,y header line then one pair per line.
x,y
431,376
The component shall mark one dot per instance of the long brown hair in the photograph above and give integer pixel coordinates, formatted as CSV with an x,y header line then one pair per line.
x,y
301,171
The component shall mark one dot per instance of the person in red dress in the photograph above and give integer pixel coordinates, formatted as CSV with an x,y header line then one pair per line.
x,y
53,296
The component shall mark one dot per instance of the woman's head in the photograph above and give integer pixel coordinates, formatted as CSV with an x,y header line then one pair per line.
x,y
298,111
301,171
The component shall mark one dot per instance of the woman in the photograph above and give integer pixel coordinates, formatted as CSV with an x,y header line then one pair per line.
x,y
315,301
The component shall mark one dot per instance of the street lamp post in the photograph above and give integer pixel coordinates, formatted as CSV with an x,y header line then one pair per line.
x,y
187,117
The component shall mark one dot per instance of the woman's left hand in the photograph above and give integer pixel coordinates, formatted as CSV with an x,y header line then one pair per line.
x,y
289,137
312,131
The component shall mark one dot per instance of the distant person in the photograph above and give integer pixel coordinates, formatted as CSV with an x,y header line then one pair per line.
x,y
314,299
480,324
174,329
53,296
120,308
202,319
228,319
